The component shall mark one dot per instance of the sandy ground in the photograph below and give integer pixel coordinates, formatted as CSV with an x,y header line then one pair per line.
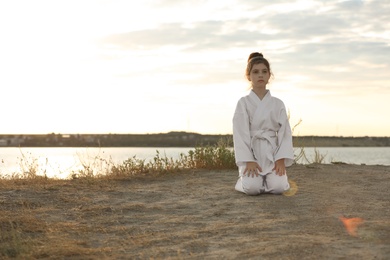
x,y
199,215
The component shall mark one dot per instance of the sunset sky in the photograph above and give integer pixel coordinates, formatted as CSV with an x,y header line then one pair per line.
x,y
111,66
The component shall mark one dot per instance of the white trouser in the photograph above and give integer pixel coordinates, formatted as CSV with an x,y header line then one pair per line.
x,y
270,183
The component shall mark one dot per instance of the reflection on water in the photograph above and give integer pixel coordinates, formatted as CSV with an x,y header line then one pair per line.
x,y
350,155
62,162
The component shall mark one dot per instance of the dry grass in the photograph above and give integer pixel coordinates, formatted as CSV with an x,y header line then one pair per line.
x,y
196,214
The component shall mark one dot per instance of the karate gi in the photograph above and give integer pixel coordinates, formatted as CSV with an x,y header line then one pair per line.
x,y
262,134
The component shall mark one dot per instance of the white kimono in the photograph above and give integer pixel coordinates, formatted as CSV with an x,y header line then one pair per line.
x,y
262,134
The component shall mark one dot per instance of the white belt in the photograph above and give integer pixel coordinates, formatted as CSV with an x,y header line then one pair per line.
x,y
262,143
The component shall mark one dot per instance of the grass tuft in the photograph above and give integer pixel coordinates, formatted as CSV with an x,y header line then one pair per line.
x,y
12,244
301,156
219,156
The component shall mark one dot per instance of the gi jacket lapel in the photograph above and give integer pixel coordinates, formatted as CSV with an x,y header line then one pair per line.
x,y
261,113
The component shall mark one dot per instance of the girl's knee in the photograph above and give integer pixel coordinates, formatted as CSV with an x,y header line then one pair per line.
x,y
252,186
252,191
279,188
277,184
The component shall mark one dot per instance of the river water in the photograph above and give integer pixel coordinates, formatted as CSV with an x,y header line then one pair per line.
x,y
61,162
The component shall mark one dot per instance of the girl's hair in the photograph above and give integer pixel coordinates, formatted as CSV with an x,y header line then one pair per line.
x,y
256,58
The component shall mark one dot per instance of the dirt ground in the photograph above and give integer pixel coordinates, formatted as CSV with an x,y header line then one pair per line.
x,y
199,215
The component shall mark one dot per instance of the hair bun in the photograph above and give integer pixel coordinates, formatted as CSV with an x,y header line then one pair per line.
x,y
255,55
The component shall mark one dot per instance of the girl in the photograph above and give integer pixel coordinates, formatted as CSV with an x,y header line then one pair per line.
x,y
261,134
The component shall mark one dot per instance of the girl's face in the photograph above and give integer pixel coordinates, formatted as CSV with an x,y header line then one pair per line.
x,y
259,76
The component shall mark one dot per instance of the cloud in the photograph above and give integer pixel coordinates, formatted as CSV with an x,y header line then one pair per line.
x,y
344,23
329,41
166,34
207,35
175,3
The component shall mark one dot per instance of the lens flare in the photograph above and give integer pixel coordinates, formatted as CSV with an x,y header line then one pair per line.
x,y
293,189
351,224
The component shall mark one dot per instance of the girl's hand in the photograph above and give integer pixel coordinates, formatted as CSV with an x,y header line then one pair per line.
x,y
280,168
252,168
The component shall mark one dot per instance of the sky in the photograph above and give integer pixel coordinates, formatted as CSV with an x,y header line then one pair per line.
x,y
155,66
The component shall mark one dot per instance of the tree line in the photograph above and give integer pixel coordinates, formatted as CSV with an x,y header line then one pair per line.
x,y
172,139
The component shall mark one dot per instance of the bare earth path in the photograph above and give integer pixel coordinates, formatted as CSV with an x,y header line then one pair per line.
x,y
198,215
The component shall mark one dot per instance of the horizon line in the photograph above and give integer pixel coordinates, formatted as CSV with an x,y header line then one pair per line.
x,y
184,132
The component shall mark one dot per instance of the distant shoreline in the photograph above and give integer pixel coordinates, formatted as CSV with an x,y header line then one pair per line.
x,y
171,139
